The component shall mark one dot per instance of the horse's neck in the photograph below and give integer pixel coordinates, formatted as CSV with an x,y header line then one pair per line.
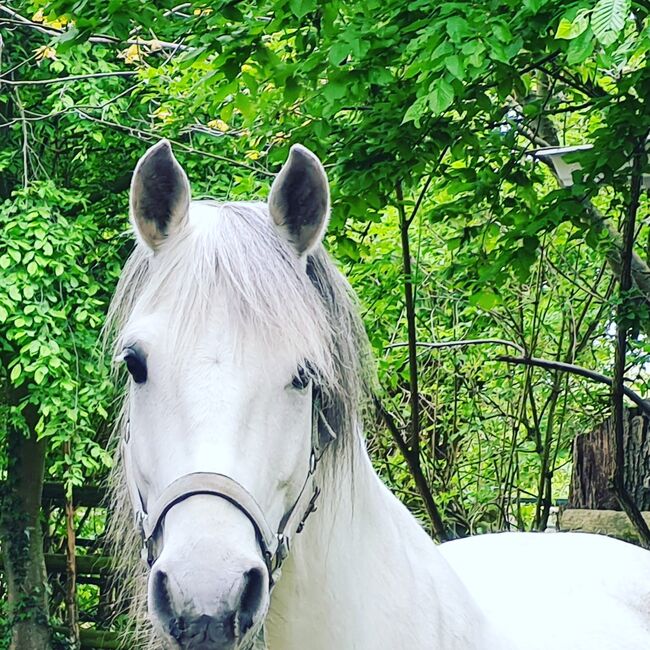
x,y
363,574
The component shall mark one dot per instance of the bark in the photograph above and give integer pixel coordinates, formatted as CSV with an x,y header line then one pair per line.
x,y
22,543
594,459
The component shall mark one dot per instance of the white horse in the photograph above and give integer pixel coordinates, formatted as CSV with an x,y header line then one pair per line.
x,y
248,367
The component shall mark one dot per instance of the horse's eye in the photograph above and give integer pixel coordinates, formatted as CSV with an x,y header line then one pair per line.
x,y
136,364
301,380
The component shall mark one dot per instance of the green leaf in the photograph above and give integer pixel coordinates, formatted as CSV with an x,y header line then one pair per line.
x,y
534,5
441,97
485,299
67,39
245,106
338,53
580,48
570,29
301,8
335,90
14,293
457,28
415,111
16,372
39,375
455,65
291,90
608,19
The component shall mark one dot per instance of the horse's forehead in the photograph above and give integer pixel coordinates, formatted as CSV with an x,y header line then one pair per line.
x,y
218,337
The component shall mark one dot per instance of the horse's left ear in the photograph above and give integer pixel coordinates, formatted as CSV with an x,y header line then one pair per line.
x,y
299,201
160,195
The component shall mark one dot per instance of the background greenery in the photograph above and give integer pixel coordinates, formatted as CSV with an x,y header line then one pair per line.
x,y
426,116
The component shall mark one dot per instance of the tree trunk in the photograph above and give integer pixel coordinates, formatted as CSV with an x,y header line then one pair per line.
x,y
22,543
594,458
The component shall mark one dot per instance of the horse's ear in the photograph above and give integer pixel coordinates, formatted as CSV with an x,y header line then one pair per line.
x,y
299,201
160,195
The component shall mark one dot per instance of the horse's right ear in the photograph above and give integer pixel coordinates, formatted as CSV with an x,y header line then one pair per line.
x,y
160,195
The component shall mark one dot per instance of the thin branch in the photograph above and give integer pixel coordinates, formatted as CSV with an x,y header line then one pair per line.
x,y
614,247
530,135
412,459
427,184
21,110
587,89
76,77
107,40
459,344
144,134
410,319
577,370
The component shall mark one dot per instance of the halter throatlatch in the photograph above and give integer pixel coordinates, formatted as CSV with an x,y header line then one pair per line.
x,y
276,546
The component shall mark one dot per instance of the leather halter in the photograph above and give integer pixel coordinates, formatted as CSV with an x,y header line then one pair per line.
x,y
276,546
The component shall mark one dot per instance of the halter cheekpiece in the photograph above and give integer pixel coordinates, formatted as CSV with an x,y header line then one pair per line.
x,y
276,546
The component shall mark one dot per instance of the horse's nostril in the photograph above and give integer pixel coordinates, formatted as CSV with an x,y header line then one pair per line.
x,y
251,599
160,595
177,628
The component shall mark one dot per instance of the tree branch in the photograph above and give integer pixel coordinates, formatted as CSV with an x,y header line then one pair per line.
x,y
643,404
413,449
618,387
150,135
459,344
410,319
640,270
77,77
108,40
412,458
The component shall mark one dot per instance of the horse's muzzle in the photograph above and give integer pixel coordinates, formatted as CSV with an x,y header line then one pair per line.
x,y
227,627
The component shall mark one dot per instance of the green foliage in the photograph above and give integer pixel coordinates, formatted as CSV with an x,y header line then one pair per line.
x,y
51,274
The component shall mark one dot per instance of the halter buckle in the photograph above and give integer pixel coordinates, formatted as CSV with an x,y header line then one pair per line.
x,y
311,507
282,552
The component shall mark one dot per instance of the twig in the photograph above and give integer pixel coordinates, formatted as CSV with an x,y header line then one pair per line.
x,y
640,270
459,344
144,134
76,77
21,110
427,184
410,318
577,370
108,40
412,458
413,449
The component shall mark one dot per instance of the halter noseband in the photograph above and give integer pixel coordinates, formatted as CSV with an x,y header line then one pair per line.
x,y
275,547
